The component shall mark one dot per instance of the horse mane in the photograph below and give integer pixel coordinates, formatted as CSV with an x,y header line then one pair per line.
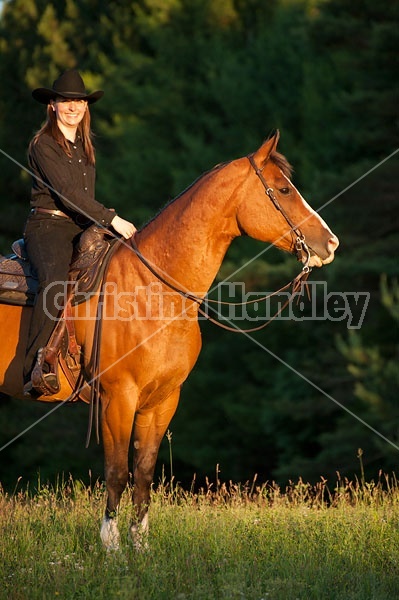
x,y
215,168
275,157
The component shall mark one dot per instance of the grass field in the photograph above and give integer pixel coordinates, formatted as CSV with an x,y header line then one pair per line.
x,y
235,542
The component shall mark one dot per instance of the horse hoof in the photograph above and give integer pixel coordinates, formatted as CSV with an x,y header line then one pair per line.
x,y
110,535
139,542
139,535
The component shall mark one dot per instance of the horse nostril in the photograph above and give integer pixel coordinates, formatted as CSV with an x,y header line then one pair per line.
x,y
333,243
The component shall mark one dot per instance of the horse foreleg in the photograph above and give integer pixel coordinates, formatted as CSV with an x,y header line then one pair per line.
x,y
149,429
117,424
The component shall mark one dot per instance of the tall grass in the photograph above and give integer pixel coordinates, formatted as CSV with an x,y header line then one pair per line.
x,y
226,541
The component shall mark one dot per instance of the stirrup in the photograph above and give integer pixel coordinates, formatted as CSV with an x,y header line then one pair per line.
x,y
45,383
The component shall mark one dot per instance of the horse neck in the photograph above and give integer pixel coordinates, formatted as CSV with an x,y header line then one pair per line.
x,y
189,238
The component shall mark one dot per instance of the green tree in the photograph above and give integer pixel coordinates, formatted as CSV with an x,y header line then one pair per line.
x,y
352,91
374,369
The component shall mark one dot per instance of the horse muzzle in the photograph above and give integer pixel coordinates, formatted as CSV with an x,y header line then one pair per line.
x,y
316,260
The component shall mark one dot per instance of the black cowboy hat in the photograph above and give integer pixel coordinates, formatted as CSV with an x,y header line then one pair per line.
x,y
68,85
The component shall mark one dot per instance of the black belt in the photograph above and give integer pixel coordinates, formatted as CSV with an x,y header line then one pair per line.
x,y
48,211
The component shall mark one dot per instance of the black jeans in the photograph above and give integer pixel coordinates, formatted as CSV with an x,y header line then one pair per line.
x,y
49,244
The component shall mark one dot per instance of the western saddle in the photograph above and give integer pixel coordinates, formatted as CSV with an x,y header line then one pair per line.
x,y
19,285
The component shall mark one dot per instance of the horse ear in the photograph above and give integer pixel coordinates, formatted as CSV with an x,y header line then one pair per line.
x,y
263,153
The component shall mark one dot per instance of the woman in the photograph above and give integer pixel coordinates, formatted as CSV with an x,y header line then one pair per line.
x,y
62,163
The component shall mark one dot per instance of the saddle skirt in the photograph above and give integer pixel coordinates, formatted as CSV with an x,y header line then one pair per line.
x,y
18,281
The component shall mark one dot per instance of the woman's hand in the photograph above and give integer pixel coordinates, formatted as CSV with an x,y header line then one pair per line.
x,y
124,228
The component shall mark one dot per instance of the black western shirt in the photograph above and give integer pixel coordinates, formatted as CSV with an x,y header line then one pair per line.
x,y
67,183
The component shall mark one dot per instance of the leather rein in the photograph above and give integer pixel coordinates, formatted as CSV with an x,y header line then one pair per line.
x,y
301,249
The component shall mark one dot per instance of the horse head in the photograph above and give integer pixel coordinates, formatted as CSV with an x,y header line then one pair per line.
x,y
274,211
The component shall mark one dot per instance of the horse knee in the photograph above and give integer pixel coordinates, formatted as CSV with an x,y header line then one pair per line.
x,y
116,480
144,468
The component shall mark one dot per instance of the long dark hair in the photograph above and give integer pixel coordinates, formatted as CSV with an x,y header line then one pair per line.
x,y
50,127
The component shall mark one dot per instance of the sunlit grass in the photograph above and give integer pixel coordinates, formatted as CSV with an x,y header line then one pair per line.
x,y
224,541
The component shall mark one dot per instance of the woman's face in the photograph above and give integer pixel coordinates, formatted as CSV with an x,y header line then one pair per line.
x,y
69,113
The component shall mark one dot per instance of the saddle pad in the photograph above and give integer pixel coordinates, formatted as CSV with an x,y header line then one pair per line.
x,y
18,284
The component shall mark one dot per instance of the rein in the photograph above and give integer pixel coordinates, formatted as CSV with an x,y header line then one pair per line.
x,y
296,283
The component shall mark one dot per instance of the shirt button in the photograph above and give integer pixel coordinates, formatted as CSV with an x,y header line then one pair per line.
x,y
70,162
74,147
84,174
85,189
80,160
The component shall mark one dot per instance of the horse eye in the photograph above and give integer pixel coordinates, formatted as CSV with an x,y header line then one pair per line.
x,y
284,190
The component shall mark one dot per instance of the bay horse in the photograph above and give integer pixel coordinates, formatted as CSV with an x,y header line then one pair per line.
x,y
150,333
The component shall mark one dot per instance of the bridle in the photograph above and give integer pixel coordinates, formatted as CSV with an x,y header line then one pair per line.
x,y
300,246
300,249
